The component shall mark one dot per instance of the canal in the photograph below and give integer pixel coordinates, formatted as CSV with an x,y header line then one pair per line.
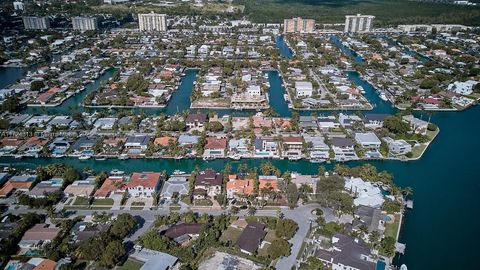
x,y
440,233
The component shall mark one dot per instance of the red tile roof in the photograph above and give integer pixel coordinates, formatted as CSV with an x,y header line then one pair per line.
x,y
144,179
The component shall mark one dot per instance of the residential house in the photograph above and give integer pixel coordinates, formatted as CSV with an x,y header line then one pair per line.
x,y
144,184
33,146
184,232
38,235
292,146
374,121
82,231
236,187
44,187
197,120
327,123
344,149
368,140
176,186
265,147
136,144
17,182
303,89
209,181
308,123
111,185
238,147
186,140
418,126
347,253
81,188
251,237
317,147
215,148
400,147
59,146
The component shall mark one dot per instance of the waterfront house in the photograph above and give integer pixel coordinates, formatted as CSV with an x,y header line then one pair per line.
x,y
177,185
210,181
399,147
81,188
303,89
370,217
33,146
38,235
17,182
374,121
137,142
111,185
251,237
144,184
265,147
302,179
344,149
236,187
186,140
239,146
59,146
106,123
197,120
368,140
85,143
215,147
364,192
317,147
44,187
418,126
10,144
292,146
152,259
63,122
165,141
346,120
326,123
347,253
266,184
308,123
39,121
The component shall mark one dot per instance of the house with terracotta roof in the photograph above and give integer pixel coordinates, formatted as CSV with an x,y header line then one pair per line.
x,y
113,184
238,187
164,141
33,146
39,264
18,182
267,183
210,182
9,144
215,147
38,235
144,184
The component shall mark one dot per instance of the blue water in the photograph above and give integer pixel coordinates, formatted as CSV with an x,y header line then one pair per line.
x,y
380,265
276,92
10,75
284,50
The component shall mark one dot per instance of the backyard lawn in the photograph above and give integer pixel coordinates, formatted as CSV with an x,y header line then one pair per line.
x,y
391,229
130,264
106,201
231,233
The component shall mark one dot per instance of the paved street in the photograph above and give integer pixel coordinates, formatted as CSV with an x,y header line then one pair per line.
x,y
301,215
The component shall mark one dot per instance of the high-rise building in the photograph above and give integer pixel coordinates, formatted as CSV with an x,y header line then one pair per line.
x,y
84,23
36,23
18,5
298,25
152,22
358,23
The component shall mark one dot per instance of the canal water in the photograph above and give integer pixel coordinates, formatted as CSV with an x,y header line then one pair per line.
x,y
442,230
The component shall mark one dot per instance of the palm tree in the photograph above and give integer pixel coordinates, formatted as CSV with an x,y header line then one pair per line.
x,y
251,211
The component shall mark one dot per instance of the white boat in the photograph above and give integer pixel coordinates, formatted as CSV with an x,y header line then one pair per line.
x,y
84,157
18,156
123,157
235,157
208,158
178,158
101,158
294,158
403,267
285,96
316,160
383,97
176,172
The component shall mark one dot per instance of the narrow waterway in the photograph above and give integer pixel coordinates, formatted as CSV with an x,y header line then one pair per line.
x,y
441,231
